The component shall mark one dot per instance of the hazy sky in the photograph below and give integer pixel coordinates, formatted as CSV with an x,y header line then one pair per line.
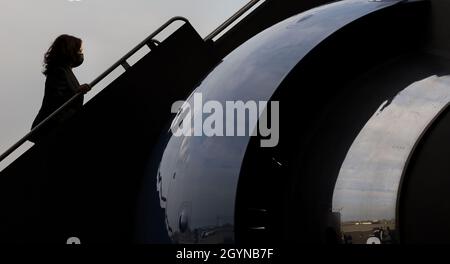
x,y
109,29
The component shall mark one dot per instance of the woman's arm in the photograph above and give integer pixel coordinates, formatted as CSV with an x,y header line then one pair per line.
x,y
61,87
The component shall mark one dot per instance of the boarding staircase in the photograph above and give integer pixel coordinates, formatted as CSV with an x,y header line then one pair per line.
x,y
84,179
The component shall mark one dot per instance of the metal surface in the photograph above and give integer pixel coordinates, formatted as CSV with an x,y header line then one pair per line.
x,y
232,19
368,185
207,168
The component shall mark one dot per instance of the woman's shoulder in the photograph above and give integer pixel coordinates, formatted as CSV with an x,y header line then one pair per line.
x,y
57,70
56,76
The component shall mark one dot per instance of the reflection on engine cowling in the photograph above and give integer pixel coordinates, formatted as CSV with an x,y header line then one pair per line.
x,y
367,188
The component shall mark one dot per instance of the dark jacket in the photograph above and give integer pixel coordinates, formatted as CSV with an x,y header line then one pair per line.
x,y
60,85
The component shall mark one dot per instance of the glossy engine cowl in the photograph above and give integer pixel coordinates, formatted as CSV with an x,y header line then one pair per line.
x,y
319,65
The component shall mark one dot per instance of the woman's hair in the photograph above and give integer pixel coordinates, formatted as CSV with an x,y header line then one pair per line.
x,y
62,52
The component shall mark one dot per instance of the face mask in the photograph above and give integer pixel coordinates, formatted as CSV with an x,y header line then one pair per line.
x,y
79,60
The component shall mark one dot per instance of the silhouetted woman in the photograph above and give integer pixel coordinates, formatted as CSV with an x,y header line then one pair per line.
x,y
65,53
